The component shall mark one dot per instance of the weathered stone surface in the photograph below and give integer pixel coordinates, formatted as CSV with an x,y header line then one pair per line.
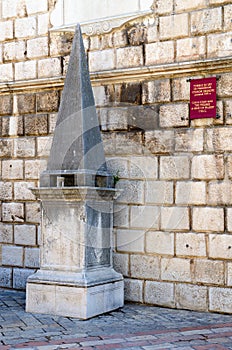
x,y
145,167
26,103
175,218
208,271
12,169
228,114
220,246
131,93
121,263
159,293
190,244
191,297
224,85
218,299
33,212
152,32
6,105
5,190
156,91
174,26
101,60
25,27
130,241
180,89
121,215
24,147
189,140
220,193
190,192
6,30
12,126
14,51
176,269
191,49
43,23
176,167
229,274
162,7
5,277
6,148
144,217
20,277
36,124
136,34
33,168
219,45
13,212
159,192
206,21
114,119
6,72
32,257
129,57
129,143
6,233
174,115
161,243
133,290
184,5
142,266
207,167
72,300
159,141
43,146
60,43
34,7
227,17
25,234
52,118
25,70
12,255
229,219
143,117
208,219
49,67
47,101
219,139
160,52
22,190
132,191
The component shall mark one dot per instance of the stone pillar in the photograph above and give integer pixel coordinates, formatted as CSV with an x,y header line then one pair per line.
x,y
76,277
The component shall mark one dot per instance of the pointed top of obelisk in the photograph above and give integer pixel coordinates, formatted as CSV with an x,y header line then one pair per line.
x,y
77,93
77,146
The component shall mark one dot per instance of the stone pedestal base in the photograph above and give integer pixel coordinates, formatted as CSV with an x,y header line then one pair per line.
x,y
74,301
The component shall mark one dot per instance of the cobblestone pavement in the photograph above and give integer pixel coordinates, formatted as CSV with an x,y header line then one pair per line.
x,y
133,327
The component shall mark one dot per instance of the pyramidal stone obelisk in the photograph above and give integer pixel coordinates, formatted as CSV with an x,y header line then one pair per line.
x,y
76,277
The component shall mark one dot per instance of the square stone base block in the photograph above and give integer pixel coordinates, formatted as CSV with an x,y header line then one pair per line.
x,y
74,301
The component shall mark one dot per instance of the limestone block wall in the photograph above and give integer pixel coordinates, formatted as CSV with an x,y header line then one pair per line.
x,y
173,223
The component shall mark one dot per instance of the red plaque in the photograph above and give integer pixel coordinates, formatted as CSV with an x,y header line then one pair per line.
x,y
203,98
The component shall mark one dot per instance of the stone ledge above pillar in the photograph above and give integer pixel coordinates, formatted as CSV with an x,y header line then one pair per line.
x,y
97,17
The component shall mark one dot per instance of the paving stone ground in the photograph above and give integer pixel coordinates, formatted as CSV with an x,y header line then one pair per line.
x,y
133,327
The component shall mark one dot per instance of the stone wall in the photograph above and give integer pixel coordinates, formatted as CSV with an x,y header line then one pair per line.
x,y
173,222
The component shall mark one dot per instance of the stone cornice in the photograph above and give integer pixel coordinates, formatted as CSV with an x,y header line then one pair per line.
x,y
102,25
170,70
